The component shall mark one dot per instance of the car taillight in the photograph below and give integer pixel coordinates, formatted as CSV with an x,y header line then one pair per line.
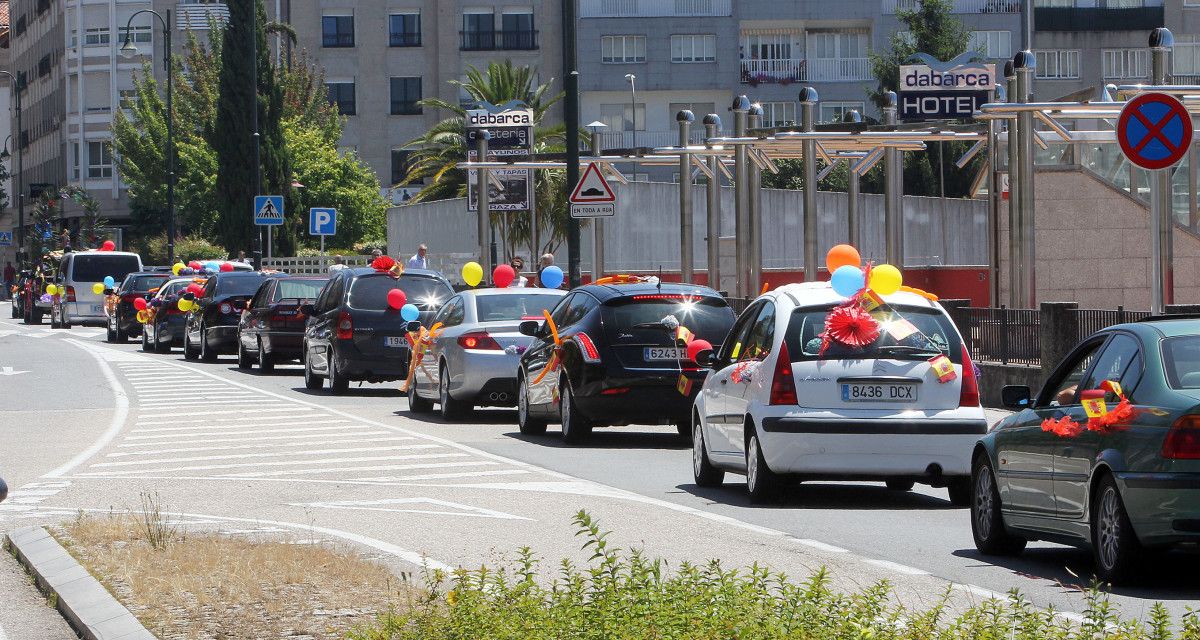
x,y
129,297
70,294
587,348
345,326
1183,440
479,340
969,396
225,308
783,386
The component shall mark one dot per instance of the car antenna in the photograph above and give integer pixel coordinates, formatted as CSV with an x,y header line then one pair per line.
x,y
660,277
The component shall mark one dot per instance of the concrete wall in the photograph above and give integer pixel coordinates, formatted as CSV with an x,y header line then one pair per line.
x,y
994,377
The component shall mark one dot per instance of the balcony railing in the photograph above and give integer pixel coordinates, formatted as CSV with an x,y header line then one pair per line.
x,y
756,72
1098,18
654,8
195,17
959,6
498,40
632,139
838,69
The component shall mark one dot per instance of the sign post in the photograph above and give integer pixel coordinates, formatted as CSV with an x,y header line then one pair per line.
x,y
268,212
1155,133
944,90
592,197
322,222
510,135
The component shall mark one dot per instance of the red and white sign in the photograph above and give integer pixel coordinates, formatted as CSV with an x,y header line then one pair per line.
x,y
592,187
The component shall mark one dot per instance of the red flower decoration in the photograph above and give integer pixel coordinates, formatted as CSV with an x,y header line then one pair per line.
x,y
1064,427
383,263
851,326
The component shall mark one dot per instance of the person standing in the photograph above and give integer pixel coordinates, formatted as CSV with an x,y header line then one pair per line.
x,y
10,276
546,260
518,264
339,263
418,260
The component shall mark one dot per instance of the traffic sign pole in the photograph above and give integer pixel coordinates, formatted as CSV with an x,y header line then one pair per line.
x,y
1162,269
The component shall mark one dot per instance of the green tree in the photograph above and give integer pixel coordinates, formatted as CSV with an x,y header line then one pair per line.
x,y
333,179
232,133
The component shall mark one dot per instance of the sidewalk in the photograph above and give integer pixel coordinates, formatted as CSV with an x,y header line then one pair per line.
x,y
24,613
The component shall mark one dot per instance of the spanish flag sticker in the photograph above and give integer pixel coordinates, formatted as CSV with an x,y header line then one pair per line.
x,y
1093,402
684,386
943,368
870,301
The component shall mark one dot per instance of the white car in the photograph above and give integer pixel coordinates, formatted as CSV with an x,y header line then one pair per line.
x,y
880,412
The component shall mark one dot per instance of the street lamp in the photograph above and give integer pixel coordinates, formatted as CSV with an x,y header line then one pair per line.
x,y
129,50
632,105
20,167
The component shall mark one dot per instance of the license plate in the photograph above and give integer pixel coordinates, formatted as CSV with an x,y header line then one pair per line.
x,y
96,308
395,341
879,393
662,353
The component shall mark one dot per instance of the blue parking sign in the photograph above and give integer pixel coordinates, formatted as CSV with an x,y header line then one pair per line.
x,y
268,210
5,238
322,221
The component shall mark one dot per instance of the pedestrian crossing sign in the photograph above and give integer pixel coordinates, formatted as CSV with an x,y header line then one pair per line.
x,y
268,210
5,239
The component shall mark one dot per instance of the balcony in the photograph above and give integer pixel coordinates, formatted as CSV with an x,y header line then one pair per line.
x,y
190,16
839,69
958,6
1143,18
498,40
632,139
756,72
655,8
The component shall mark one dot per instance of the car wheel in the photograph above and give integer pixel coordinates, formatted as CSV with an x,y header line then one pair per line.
x,y
417,404
266,362
761,483
575,428
35,315
1114,543
900,485
337,384
14,312
110,333
685,431
159,345
146,342
206,352
311,380
54,323
121,335
451,409
959,491
987,526
528,425
703,471
64,321
243,358
189,352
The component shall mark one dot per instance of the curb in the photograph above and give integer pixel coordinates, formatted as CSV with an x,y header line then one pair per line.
x,y
87,606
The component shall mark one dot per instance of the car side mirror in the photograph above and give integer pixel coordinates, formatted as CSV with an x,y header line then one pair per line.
x,y
529,328
1016,396
308,309
413,327
706,357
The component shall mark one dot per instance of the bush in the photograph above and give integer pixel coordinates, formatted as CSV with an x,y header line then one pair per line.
x,y
312,252
187,248
370,244
627,596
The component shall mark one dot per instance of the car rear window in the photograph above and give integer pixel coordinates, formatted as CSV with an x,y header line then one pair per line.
x,y
516,306
1181,357
369,292
934,335
706,316
144,283
240,285
298,290
96,267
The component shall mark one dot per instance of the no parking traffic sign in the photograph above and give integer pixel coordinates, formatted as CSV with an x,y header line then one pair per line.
x,y
1154,130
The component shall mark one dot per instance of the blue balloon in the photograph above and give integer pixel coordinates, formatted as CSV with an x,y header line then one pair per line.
x,y
109,282
847,280
410,312
212,265
552,277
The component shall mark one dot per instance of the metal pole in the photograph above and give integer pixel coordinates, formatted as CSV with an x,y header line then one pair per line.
x,y
632,109
170,142
755,211
712,129
254,127
322,246
893,186
481,198
741,202
571,121
808,121
1162,272
1024,64
1015,260
687,261
20,176
1026,25
994,199
853,229
597,223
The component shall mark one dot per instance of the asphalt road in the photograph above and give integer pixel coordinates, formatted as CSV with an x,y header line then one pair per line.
x,y
93,426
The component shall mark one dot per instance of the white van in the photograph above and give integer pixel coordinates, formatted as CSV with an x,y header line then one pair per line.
x,y
78,272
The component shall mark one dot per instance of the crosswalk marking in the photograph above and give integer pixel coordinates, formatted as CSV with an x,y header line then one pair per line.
x,y
242,447
402,467
157,420
275,454
238,425
269,438
280,463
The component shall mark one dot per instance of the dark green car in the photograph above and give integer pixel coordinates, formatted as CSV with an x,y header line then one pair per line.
x,y
1120,491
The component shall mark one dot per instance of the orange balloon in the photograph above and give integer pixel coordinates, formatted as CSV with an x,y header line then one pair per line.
x,y
842,255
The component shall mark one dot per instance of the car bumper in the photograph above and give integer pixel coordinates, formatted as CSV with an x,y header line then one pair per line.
x,y
914,444
171,331
659,402
355,366
487,378
86,313
1164,508
285,345
222,339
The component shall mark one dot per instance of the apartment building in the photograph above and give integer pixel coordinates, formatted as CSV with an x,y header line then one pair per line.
x,y
382,56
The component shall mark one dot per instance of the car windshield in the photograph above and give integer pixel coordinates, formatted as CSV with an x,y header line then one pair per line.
x,y
298,290
906,333
95,267
706,317
239,285
369,292
143,283
516,306
1181,357
172,288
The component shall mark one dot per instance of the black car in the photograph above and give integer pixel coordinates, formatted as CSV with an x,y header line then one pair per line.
x,y
165,329
272,327
18,297
212,326
352,333
122,323
617,361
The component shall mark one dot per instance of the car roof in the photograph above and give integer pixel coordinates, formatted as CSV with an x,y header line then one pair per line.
x,y
605,292
1161,326
508,291
820,294
363,271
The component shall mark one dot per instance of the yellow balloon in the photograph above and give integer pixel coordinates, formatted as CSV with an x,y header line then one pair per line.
x,y
97,288
885,279
472,273
51,289
143,317
185,305
177,267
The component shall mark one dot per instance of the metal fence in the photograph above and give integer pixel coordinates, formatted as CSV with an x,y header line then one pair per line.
x,y
1093,320
1007,336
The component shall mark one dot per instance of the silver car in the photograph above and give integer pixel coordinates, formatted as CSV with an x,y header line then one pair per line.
x,y
473,360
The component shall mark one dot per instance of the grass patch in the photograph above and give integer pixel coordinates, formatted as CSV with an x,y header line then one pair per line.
x,y
622,595
207,585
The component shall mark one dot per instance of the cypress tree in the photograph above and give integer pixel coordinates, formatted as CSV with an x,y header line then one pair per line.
x,y
232,135
277,174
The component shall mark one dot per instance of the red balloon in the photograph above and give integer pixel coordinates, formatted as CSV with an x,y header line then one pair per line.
x,y
195,289
194,264
396,298
139,304
225,266
696,346
503,275
108,245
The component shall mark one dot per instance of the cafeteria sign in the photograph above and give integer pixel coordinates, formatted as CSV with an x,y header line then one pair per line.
x,y
936,90
510,126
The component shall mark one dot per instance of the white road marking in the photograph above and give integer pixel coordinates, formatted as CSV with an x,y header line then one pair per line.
x,y
120,414
473,474
203,436
817,544
895,566
2,636
263,438
986,594
206,402
154,394
392,504
280,463
237,447
273,454
144,422
396,467
270,422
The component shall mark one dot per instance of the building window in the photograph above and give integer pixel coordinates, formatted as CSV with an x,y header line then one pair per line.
x,y
622,117
96,36
405,94
479,32
337,31
622,49
401,159
694,48
831,45
833,111
141,34
19,28
1125,63
129,98
698,109
992,44
1185,59
75,161
99,160
517,32
779,114
44,66
341,95
1057,64
404,30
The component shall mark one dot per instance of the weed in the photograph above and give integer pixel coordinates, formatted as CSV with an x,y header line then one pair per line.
x,y
158,532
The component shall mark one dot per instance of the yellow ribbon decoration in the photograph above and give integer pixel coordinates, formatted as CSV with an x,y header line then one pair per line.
x,y
554,358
